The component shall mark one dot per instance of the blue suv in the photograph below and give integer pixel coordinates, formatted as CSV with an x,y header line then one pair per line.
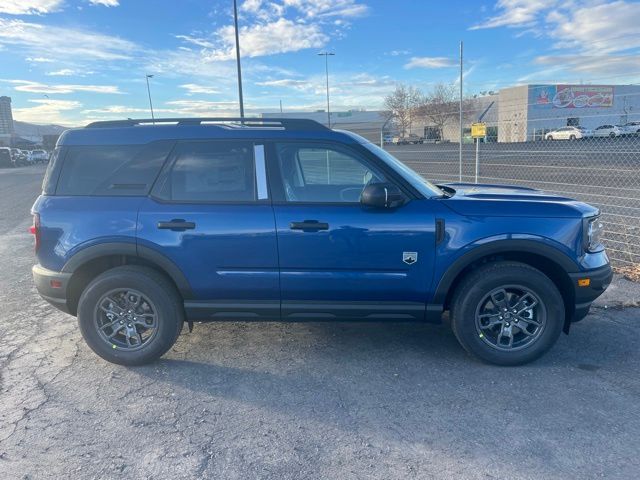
x,y
145,225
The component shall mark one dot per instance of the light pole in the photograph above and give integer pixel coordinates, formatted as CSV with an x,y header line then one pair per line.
x,y
149,93
326,69
235,22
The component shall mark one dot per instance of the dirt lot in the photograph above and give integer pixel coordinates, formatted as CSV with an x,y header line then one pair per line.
x,y
316,400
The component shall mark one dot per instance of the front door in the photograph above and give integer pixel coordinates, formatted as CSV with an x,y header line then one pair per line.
x,y
339,259
210,215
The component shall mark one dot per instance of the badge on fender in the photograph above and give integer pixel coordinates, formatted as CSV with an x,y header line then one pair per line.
x,y
409,257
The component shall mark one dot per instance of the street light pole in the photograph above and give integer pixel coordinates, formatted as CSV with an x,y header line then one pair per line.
x,y
235,22
149,93
326,69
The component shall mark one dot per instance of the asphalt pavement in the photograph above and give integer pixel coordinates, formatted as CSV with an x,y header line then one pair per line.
x,y
306,400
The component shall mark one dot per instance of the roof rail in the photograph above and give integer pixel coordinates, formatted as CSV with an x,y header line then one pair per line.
x,y
286,123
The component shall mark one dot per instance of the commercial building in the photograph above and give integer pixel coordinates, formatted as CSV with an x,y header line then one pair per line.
x,y
526,112
363,122
6,121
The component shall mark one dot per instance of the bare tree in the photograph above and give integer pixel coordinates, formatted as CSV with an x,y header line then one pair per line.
x,y
440,106
403,103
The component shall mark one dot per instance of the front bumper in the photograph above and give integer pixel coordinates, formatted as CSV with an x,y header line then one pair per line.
x,y
599,279
52,286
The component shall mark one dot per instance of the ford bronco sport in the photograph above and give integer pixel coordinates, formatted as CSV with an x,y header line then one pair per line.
x,y
143,226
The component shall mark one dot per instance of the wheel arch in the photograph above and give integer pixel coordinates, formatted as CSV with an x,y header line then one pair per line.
x,y
96,259
552,262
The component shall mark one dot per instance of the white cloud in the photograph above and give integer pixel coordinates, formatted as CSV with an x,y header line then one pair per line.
x,y
430,62
516,13
65,72
194,88
39,60
105,3
37,87
287,83
596,37
261,39
306,8
63,44
597,29
47,111
29,7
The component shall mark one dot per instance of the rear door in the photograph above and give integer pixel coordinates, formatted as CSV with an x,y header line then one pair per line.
x,y
339,259
211,215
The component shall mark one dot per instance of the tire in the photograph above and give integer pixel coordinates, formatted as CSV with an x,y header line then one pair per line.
x,y
157,295
612,135
572,137
471,295
550,137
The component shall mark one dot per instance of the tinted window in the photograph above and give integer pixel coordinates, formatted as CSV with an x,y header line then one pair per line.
x,y
112,170
324,174
211,172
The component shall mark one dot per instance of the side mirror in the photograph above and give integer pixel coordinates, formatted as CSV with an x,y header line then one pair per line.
x,y
382,195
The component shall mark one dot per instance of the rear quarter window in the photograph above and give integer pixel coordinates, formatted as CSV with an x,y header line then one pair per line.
x,y
111,170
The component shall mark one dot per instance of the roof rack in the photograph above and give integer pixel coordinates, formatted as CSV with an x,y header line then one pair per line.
x,y
251,122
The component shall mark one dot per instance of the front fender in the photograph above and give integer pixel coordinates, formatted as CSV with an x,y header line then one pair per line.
x,y
496,245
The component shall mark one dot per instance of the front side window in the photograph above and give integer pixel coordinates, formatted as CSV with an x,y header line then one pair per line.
x,y
324,174
211,171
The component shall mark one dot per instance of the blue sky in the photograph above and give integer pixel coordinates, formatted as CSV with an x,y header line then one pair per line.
x,y
73,61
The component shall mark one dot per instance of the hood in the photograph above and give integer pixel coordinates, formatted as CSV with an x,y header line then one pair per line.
x,y
512,201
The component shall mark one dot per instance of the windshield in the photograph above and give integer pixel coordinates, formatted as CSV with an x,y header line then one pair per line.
x,y
422,185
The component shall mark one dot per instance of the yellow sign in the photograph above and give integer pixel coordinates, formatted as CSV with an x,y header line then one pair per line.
x,y
478,130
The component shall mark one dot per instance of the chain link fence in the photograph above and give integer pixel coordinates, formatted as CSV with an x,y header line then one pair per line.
x,y
600,166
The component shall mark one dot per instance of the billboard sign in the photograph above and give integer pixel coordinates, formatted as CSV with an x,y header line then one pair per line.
x,y
573,96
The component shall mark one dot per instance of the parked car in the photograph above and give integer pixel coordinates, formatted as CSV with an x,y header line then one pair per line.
x,y
568,133
611,131
632,128
5,157
19,158
387,138
142,227
411,139
38,156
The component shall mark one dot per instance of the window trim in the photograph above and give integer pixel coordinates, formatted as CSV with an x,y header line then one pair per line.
x,y
275,178
173,157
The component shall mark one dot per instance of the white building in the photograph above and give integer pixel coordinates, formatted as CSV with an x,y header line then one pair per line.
x,y
525,112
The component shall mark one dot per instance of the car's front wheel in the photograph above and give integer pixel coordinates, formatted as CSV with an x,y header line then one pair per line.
x,y
130,315
507,313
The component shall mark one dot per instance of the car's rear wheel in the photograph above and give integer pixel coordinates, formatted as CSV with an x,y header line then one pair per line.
x,y
549,137
507,313
612,135
572,137
130,315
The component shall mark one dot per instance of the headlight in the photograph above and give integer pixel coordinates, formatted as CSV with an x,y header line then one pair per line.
x,y
593,234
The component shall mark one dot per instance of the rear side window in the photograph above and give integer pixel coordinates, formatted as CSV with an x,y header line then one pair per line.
x,y
112,170
211,171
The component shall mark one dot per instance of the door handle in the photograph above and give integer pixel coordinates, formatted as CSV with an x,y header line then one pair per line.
x,y
177,224
309,225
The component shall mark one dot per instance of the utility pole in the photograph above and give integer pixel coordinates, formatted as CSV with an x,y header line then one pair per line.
x,y
326,69
280,106
235,22
460,115
149,93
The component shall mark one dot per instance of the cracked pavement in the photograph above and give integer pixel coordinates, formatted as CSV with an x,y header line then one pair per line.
x,y
306,400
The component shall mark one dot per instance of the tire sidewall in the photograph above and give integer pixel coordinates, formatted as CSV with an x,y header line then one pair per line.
x,y
534,280
169,318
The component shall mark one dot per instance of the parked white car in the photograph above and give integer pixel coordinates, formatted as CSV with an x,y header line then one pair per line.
x,y
609,131
568,133
36,156
632,128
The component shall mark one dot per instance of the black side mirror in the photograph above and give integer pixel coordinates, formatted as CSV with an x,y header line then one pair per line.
x,y
382,195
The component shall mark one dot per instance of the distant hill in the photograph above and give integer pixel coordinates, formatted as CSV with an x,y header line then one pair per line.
x,y
27,130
